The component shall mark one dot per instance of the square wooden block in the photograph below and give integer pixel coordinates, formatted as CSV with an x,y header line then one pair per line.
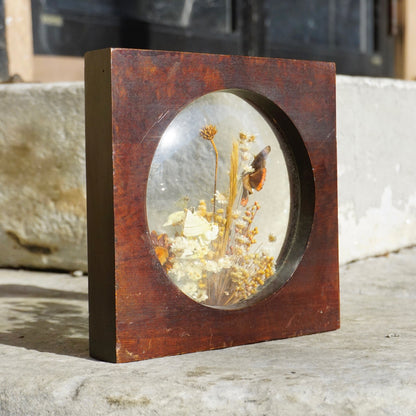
x,y
191,245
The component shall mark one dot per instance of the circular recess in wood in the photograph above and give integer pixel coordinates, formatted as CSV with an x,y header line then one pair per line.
x,y
230,199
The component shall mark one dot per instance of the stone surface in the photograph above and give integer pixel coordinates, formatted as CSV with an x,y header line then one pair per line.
x,y
42,172
42,176
365,368
376,143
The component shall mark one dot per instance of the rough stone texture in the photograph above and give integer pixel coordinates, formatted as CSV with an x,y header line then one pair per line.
x,y
365,368
376,127
42,172
42,176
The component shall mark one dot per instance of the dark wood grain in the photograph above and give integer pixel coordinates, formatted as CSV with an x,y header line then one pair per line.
x,y
100,207
136,312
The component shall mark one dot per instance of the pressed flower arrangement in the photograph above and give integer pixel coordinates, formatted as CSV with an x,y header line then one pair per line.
x,y
209,251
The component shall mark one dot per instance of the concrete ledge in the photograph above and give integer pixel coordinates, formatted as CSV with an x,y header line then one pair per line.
x,y
42,171
365,368
377,189
42,176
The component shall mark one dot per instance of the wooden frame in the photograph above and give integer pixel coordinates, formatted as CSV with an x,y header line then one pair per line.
x,y
18,42
131,96
405,44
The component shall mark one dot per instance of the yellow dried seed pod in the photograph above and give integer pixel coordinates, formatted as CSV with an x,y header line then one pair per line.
x,y
202,212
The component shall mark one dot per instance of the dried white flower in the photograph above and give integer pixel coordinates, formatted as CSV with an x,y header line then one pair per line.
x,y
248,169
175,218
212,233
195,225
193,291
221,198
225,262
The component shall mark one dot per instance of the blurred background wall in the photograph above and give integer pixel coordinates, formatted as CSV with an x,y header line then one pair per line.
x,y
44,40
42,164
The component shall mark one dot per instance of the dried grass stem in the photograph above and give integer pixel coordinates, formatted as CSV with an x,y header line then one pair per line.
x,y
208,133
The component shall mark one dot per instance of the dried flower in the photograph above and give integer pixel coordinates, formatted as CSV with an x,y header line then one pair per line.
x,y
208,132
221,198
161,245
175,218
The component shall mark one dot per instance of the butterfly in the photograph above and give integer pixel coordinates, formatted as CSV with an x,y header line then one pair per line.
x,y
255,179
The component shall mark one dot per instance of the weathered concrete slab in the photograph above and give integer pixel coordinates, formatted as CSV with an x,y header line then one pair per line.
x,y
365,368
42,171
42,176
376,142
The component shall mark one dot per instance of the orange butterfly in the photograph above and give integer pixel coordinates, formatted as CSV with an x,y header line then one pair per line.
x,y
255,179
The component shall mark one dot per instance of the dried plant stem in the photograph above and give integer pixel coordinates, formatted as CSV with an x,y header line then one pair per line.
x,y
215,177
231,198
234,298
223,284
208,133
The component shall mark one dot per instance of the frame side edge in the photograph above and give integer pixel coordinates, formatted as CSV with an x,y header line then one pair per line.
x,y
100,205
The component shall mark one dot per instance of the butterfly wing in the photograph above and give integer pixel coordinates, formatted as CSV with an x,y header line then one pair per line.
x,y
259,161
244,198
257,178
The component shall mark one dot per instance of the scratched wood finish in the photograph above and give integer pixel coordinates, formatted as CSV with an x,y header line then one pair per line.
x,y
136,312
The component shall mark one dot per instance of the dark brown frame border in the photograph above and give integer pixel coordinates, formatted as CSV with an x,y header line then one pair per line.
x,y
131,96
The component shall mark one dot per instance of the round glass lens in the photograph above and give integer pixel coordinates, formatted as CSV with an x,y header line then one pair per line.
x,y
219,200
